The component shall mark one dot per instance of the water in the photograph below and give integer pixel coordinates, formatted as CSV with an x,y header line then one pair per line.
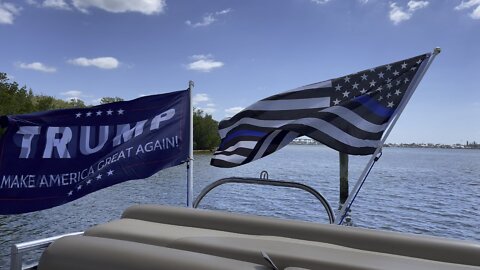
x,y
422,191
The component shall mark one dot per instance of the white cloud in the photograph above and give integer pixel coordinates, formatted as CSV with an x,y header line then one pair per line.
x,y
399,14
415,5
208,18
148,7
79,95
100,62
203,102
8,11
37,66
475,4
200,98
204,63
72,94
58,4
225,11
232,111
320,1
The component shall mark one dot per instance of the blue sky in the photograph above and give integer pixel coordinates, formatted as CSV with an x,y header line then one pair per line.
x,y
238,52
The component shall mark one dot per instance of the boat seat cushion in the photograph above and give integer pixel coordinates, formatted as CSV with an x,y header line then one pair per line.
x,y
285,252
417,246
93,253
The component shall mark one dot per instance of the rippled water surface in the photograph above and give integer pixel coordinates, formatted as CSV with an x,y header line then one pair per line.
x,y
423,191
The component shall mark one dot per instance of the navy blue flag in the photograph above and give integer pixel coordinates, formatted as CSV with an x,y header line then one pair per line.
x,y
54,157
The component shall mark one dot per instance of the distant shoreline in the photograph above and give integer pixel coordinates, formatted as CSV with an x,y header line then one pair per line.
x,y
474,146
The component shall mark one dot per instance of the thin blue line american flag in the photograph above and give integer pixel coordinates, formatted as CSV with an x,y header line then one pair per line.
x,y
348,114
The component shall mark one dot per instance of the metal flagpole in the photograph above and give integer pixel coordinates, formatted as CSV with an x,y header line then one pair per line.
x,y
190,151
409,92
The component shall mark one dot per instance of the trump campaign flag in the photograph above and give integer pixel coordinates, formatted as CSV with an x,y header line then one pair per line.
x,y
54,157
349,114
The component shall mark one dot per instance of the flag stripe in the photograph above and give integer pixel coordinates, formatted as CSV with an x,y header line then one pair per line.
x,y
240,144
277,142
351,115
321,89
293,104
288,138
355,119
266,144
236,159
250,133
238,151
279,123
374,106
365,113
338,145
235,140
334,131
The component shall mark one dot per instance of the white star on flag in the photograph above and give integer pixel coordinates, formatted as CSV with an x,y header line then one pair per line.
x,y
77,115
89,114
99,177
99,113
109,112
120,111
110,172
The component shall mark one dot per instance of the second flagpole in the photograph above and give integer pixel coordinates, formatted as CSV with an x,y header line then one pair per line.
x,y
190,151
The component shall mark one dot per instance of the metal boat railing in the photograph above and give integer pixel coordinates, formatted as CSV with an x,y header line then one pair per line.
x,y
267,182
18,250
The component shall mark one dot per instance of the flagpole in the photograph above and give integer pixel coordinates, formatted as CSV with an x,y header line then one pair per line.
x,y
190,151
376,155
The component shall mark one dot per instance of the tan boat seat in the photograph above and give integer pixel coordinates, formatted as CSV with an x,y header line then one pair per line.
x,y
243,238
417,246
93,253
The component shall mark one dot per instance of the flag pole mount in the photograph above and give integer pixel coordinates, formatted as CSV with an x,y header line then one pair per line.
x,y
191,84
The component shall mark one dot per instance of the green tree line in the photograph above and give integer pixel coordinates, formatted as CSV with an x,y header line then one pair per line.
x,y
20,100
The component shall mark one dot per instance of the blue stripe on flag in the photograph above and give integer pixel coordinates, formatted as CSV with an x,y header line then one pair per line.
x,y
374,106
235,134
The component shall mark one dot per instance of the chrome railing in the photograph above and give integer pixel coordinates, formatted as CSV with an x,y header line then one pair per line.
x,y
263,180
18,250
